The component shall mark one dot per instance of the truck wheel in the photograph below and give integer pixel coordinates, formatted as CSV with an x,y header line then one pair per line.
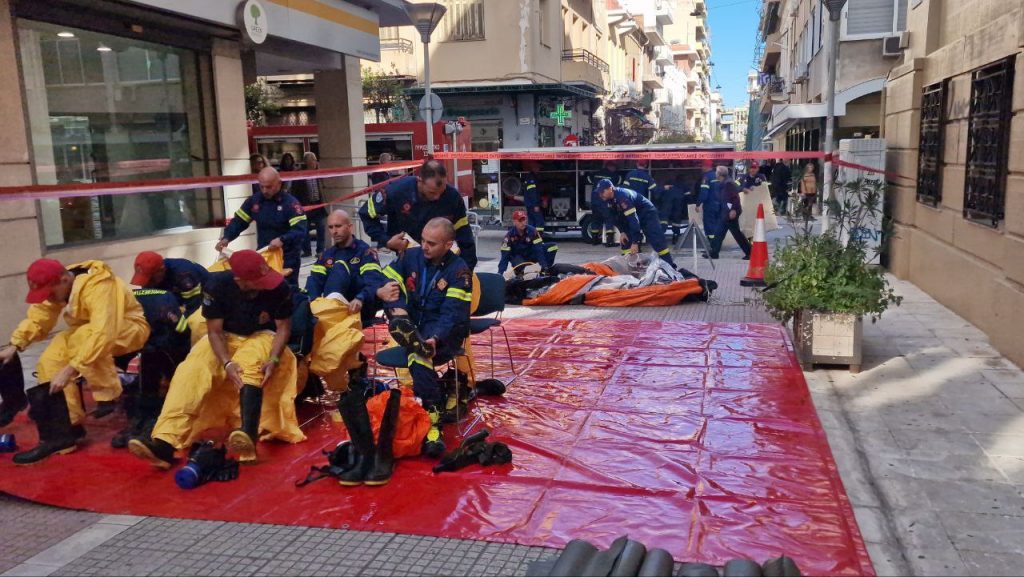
x,y
585,228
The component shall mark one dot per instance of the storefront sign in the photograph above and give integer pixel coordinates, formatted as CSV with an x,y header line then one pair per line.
x,y
254,21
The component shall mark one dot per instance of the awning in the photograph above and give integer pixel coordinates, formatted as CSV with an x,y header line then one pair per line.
x,y
786,115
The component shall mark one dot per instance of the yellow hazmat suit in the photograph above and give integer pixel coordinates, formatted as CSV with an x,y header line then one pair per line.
x,y
201,397
337,339
104,321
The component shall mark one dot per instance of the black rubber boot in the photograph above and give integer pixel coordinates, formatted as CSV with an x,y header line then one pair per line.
x,y
384,459
159,453
12,391
50,413
408,337
242,442
352,407
130,402
458,395
433,443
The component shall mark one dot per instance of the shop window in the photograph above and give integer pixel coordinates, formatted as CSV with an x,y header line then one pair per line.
x,y
464,20
933,129
105,108
988,143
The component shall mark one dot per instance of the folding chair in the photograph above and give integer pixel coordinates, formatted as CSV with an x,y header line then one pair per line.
x,y
492,302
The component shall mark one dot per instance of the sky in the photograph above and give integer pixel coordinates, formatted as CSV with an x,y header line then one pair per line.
x,y
733,26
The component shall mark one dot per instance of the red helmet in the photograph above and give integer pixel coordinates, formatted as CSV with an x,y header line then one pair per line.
x,y
754,164
519,215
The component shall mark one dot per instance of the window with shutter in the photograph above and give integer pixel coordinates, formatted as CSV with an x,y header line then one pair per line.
x,y
464,20
866,19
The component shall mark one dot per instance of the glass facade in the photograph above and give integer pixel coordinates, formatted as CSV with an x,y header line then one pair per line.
x,y
106,108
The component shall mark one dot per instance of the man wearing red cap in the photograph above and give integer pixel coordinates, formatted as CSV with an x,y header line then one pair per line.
x,y
523,243
183,278
104,321
243,361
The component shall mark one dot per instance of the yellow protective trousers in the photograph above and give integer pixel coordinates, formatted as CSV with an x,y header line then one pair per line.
x,y
337,339
202,397
100,374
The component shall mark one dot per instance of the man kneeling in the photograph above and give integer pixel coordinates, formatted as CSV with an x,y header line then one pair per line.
x,y
248,314
428,300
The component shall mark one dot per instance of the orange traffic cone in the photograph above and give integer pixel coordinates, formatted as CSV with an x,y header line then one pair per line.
x,y
758,253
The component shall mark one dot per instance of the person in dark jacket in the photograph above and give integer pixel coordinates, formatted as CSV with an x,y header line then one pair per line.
x,y
309,194
409,203
780,181
634,216
280,222
600,222
524,244
720,203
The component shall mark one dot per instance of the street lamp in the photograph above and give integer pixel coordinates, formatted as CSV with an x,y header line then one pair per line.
x,y
425,17
835,11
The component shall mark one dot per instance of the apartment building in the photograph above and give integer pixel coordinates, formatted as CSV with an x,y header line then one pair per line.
x,y
689,39
794,69
954,129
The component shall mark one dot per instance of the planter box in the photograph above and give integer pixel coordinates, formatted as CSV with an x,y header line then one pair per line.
x,y
828,338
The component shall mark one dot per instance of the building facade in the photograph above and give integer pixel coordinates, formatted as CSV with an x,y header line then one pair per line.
x,y
794,62
103,91
954,129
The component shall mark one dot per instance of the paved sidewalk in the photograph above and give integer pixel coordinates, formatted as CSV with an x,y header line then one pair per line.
x,y
929,439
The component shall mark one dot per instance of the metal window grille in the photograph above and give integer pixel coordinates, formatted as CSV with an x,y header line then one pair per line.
x,y
932,141
988,143
464,20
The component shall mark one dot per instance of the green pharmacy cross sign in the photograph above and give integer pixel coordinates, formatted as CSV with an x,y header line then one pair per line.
x,y
560,115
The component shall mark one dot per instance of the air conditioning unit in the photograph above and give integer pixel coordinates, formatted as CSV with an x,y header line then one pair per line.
x,y
894,45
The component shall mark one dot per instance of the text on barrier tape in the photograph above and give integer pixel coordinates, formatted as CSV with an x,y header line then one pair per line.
x,y
34,192
610,155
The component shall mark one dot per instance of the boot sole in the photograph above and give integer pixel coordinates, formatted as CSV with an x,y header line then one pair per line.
x,y
376,483
141,451
350,483
243,447
60,452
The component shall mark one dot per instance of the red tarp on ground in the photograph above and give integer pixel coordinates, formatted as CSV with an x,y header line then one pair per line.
x,y
698,438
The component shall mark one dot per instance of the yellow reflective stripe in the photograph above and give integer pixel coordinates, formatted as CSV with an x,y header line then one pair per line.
x,y
529,186
318,269
663,252
629,212
294,220
194,291
243,215
553,248
537,241
371,208
182,325
459,294
418,360
652,186
540,229
368,267
505,247
625,251
464,221
393,275
635,179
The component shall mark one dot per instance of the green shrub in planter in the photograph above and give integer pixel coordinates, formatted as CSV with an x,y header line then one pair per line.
x,y
828,273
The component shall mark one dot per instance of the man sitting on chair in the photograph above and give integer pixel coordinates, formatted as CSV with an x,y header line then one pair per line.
x,y
428,300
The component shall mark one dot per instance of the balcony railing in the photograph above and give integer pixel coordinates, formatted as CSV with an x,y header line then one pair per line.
x,y
584,56
396,45
772,85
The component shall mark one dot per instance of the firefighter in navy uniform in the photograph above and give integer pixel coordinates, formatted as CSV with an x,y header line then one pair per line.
x,y
349,267
168,345
280,222
524,244
531,197
428,299
635,215
410,202
753,178
599,219
182,278
640,180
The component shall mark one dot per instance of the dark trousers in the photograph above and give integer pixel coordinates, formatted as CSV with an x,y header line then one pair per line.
x,y
424,378
732,226
535,218
317,222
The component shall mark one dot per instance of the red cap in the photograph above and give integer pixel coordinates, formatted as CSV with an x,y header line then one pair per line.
x,y
753,164
519,215
147,264
248,265
42,275
707,164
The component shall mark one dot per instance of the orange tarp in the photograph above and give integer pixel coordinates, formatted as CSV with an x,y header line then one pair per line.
x,y
562,292
650,296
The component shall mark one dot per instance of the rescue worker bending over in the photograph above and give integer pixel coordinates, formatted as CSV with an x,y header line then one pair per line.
x,y
410,202
168,345
248,313
280,222
524,244
182,278
633,215
104,321
600,222
348,267
428,300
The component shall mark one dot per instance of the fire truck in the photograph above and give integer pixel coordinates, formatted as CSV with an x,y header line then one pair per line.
x,y
566,185
403,140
